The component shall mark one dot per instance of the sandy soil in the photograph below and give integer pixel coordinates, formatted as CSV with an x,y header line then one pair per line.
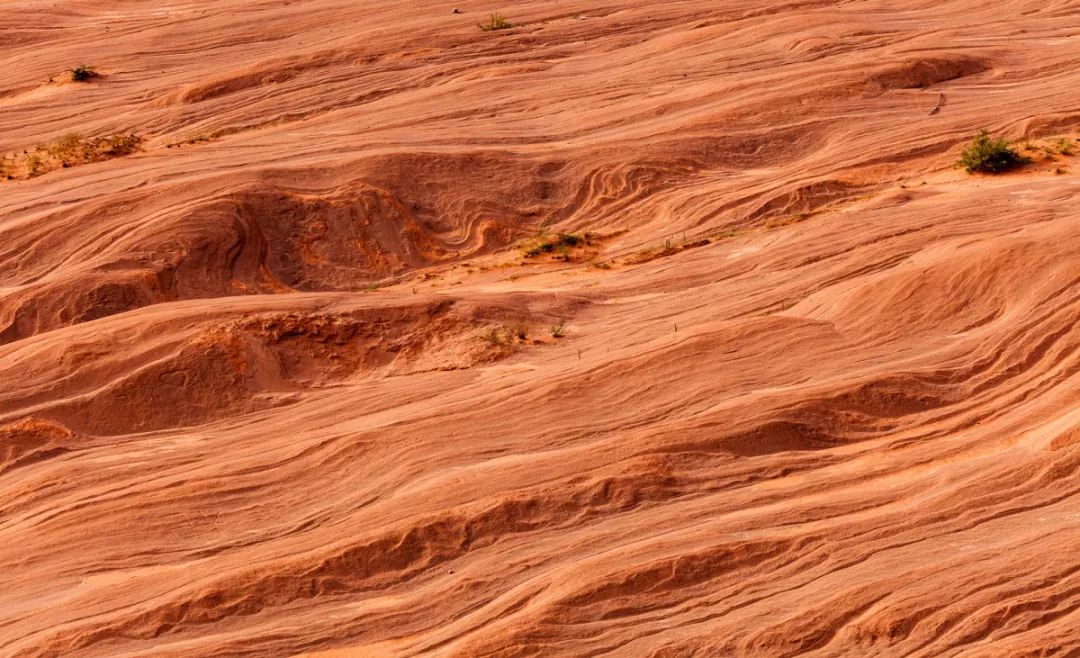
x,y
285,381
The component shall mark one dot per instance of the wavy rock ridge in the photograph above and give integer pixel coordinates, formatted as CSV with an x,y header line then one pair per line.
x,y
287,381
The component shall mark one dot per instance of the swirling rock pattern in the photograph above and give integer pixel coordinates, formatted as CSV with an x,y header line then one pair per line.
x,y
283,383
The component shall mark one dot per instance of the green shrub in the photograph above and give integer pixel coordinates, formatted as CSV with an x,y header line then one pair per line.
x,y
82,73
990,156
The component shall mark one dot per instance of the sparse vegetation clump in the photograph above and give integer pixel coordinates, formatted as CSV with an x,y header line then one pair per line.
x,y
505,338
67,151
668,248
198,138
82,73
495,22
504,335
989,155
560,243
33,164
493,336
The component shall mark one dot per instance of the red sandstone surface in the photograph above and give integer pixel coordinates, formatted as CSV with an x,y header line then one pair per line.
x,y
299,376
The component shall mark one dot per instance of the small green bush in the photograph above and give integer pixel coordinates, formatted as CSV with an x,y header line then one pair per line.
x,y
990,156
495,22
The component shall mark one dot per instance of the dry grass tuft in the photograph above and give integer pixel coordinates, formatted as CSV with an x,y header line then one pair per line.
x,y
495,22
